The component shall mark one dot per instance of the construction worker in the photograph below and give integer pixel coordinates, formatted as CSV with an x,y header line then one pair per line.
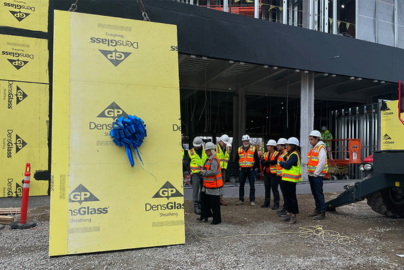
x,y
223,154
270,180
317,167
212,186
291,174
326,136
247,163
196,159
281,146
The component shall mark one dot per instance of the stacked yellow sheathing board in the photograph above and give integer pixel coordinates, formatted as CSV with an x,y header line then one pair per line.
x,y
392,128
24,110
25,14
104,68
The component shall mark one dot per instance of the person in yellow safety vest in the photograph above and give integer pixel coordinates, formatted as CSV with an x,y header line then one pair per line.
x,y
212,186
291,174
223,154
247,163
196,158
326,136
270,162
281,146
317,167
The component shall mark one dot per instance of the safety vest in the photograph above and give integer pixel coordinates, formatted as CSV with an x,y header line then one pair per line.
x,y
196,160
216,180
313,159
294,174
182,153
246,159
326,136
278,167
273,168
223,157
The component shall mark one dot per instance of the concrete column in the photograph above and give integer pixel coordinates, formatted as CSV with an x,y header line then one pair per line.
x,y
242,112
326,16
285,12
322,15
226,5
306,117
236,126
315,15
256,9
335,17
290,13
311,15
395,23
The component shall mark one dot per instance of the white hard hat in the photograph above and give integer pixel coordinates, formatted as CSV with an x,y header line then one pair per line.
x,y
271,142
293,140
245,138
209,146
282,141
224,138
324,128
315,133
197,142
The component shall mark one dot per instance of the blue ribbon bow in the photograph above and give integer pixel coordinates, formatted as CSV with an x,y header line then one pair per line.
x,y
129,132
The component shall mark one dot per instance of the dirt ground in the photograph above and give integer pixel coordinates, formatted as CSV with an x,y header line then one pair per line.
x,y
361,239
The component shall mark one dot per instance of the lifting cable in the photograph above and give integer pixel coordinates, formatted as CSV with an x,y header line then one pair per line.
x,y
143,9
304,232
73,7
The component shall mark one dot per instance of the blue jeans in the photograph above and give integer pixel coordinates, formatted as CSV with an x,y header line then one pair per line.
x,y
244,173
316,185
282,185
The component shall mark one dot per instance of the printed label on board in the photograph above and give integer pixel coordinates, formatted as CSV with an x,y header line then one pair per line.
x,y
27,14
13,141
23,59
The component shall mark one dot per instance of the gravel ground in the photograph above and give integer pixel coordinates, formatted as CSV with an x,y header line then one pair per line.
x,y
372,243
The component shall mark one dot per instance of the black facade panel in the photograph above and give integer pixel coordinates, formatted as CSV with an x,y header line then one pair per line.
x,y
220,35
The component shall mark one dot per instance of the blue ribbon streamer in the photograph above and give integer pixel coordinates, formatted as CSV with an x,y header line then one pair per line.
x,y
129,132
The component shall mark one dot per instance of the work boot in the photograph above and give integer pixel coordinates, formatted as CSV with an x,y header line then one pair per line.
x,y
287,217
276,207
239,203
264,206
197,210
252,203
314,214
282,213
292,220
223,203
320,216
283,209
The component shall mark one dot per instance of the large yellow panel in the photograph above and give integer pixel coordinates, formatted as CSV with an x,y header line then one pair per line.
x,y
27,14
24,59
110,205
24,136
392,128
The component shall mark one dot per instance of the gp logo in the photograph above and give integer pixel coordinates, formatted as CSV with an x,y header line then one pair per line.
x,y
17,63
81,194
167,191
19,15
21,95
115,57
113,111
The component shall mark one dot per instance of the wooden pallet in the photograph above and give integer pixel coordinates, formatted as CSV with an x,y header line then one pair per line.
x,y
8,211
